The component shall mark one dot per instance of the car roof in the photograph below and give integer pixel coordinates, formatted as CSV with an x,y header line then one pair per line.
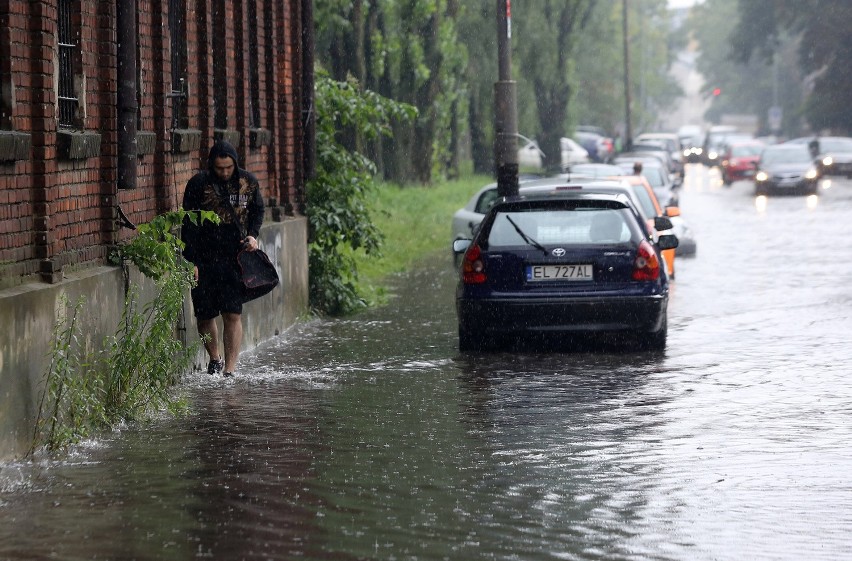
x,y
608,200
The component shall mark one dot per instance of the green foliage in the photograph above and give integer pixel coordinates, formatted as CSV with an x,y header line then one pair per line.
x,y
336,198
820,31
133,371
417,219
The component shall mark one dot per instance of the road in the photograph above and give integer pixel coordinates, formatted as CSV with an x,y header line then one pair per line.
x,y
372,437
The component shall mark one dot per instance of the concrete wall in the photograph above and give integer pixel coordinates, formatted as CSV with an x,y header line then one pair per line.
x,y
28,314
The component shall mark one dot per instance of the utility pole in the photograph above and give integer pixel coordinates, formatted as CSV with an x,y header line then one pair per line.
x,y
505,107
628,128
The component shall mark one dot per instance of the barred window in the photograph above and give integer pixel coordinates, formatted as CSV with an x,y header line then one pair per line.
x,y
68,51
177,43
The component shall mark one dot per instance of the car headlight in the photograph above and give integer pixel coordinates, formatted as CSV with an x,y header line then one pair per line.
x,y
712,155
686,153
811,174
761,176
827,161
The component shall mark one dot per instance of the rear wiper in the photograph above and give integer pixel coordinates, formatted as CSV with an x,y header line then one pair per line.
x,y
525,237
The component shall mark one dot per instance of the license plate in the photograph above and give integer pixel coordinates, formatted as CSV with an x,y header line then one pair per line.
x,y
568,272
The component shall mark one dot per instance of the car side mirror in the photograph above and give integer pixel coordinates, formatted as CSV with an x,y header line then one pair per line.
x,y
460,246
661,223
667,241
672,211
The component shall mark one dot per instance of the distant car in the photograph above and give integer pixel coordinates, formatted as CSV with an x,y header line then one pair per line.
x,y
834,153
714,140
786,168
670,141
530,156
532,159
739,159
599,147
562,262
572,153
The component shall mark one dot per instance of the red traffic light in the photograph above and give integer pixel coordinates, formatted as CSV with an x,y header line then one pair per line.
x,y
717,91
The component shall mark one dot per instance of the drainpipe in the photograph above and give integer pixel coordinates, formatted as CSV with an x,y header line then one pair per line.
x,y
309,152
127,104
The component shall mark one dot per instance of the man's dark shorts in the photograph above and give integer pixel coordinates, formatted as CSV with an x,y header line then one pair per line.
x,y
219,290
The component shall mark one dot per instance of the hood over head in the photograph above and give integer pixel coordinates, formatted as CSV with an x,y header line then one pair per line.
x,y
221,149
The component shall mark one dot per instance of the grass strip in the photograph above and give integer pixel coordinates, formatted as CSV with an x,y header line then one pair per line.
x,y
416,221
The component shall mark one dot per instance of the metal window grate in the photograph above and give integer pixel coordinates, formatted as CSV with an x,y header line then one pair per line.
x,y
67,49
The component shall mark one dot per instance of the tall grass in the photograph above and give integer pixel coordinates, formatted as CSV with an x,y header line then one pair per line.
x,y
415,222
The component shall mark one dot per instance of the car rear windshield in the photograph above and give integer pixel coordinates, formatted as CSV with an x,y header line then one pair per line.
x,y
791,155
746,150
562,226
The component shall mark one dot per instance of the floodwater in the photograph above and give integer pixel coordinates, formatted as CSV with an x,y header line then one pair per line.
x,y
373,438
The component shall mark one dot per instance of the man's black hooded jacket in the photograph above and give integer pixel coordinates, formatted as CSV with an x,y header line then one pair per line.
x,y
209,243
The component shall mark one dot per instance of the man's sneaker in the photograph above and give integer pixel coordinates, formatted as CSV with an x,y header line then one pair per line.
x,y
215,366
228,374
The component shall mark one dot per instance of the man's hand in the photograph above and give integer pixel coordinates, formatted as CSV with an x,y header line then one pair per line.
x,y
195,272
250,243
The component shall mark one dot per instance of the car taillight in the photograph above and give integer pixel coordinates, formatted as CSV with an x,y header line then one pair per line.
x,y
646,266
473,268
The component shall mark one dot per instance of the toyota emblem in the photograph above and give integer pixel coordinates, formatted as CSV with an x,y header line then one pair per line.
x,y
558,252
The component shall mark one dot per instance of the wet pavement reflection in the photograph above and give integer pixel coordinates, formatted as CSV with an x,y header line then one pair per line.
x,y
373,438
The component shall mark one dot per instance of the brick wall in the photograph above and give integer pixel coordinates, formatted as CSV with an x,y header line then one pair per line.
x,y
58,213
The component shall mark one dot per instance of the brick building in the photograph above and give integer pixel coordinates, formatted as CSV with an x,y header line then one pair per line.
x,y
203,69
107,108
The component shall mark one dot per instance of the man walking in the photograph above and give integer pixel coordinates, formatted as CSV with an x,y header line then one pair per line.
x,y
234,195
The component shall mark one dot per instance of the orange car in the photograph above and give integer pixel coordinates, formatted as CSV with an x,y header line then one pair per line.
x,y
652,208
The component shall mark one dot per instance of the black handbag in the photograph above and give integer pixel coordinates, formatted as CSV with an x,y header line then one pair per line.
x,y
256,270
258,273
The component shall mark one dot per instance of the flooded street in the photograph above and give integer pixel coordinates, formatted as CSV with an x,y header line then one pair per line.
x,y
373,438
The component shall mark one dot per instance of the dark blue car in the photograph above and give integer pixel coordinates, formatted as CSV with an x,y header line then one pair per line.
x,y
563,262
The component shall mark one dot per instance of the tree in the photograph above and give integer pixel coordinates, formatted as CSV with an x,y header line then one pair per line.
x,y
824,38
546,38
336,197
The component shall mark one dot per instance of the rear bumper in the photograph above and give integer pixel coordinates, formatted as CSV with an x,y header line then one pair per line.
x,y
503,316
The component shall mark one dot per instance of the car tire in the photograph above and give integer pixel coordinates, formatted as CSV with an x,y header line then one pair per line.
x,y
656,340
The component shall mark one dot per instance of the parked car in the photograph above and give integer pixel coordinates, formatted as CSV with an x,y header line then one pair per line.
x,y
833,153
669,141
572,153
786,168
593,169
655,172
563,262
687,244
530,156
468,218
532,159
738,160
599,147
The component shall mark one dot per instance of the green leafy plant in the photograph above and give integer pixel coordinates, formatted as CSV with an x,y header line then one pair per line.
x,y
338,216
133,372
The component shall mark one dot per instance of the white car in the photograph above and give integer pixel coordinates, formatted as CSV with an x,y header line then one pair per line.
x,y
670,141
531,157
572,153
